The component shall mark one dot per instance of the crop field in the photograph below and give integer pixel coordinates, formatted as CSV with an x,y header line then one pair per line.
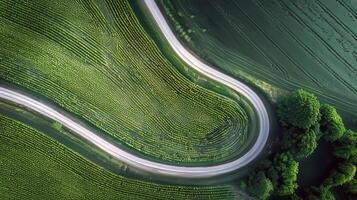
x,y
94,59
286,44
36,167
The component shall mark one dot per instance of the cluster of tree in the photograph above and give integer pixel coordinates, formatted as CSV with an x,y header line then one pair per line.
x,y
283,174
300,143
344,175
300,109
351,186
277,176
259,185
346,147
331,124
320,193
304,121
299,115
344,143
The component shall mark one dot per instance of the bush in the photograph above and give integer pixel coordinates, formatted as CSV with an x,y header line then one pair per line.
x,y
242,185
346,147
260,186
300,109
283,174
300,143
331,124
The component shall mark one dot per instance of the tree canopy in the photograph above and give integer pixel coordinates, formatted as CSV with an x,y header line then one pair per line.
x,y
346,147
320,193
283,174
331,124
294,197
299,109
342,174
304,121
351,186
260,186
299,142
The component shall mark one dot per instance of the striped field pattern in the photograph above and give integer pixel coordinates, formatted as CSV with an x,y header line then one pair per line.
x,y
309,44
94,59
34,166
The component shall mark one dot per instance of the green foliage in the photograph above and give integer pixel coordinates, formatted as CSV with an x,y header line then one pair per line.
x,y
351,186
346,147
320,193
283,174
299,113
331,124
295,197
35,167
98,62
242,185
57,126
326,194
264,165
300,143
282,60
260,186
300,109
342,174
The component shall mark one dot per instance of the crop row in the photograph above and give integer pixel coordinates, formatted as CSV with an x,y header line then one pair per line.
x,y
34,165
101,65
289,45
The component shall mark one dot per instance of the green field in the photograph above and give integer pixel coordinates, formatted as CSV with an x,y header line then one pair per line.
x,y
34,166
94,59
278,45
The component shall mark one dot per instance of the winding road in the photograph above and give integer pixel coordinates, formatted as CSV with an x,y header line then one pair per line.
x,y
147,165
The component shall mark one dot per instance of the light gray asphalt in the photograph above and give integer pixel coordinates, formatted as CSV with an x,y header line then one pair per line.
x,y
147,165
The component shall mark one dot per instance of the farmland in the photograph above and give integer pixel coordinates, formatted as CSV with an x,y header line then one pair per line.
x,y
277,45
96,61
34,166
107,99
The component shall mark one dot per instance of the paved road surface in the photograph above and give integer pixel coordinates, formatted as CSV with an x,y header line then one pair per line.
x,y
147,165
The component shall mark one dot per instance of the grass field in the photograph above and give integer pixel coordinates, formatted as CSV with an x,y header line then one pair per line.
x,y
277,45
94,59
33,166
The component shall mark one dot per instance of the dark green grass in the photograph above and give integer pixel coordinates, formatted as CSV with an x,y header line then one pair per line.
x,y
33,166
277,45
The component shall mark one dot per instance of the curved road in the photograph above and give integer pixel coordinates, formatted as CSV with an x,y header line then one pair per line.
x,y
147,165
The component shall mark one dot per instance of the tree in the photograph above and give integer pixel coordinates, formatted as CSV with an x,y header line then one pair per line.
x,y
283,174
351,186
300,143
264,165
326,194
331,124
343,174
320,193
260,186
295,197
346,147
300,109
